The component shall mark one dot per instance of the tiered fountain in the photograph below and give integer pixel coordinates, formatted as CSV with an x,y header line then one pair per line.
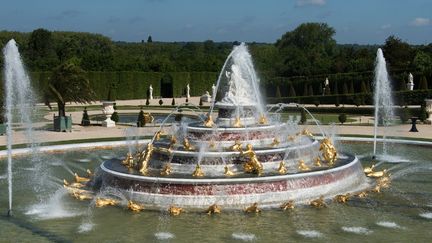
x,y
242,157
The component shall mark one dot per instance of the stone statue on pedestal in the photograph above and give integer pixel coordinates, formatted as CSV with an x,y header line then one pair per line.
x,y
410,84
150,92
213,92
187,91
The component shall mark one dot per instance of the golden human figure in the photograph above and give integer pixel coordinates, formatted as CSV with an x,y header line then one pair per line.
x,y
275,142
318,203
253,165
342,198
144,158
317,162
368,170
329,151
158,135
128,161
377,174
302,166
173,141
80,179
306,132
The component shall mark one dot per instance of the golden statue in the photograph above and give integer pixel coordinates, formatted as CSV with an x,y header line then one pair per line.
x,y
282,168
237,146
167,169
80,179
227,171
384,181
158,134
376,189
253,165
144,158
102,202
342,198
237,123
198,171
318,203
174,211
329,151
73,184
252,209
82,195
135,207
317,162
302,166
362,194
89,173
287,205
306,132
377,174
209,121
368,170
275,142
213,209
128,161
187,146
262,119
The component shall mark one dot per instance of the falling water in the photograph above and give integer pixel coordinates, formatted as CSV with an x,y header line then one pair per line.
x,y
19,95
383,100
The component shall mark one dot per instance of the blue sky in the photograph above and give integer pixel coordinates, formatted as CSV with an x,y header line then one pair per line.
x,y
355,21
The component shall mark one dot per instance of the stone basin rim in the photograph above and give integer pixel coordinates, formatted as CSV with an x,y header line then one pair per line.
x,y
227,180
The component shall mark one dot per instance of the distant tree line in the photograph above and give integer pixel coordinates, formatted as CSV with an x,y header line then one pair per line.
x,y
296,65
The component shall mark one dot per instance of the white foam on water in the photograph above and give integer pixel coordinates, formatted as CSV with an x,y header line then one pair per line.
x,y
393,158
52,208
83,160
85,227
357,230
310,233
106,157
164,235
243,236
389,224
427,215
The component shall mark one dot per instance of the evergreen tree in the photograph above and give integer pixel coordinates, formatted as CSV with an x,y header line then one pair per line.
x,y
141,119
173,103
303,117
149,39
160,102
292,92
85,121
423,83
278,92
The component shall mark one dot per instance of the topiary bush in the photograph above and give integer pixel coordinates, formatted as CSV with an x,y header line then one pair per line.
x,y
404,114
147,102
115,116
173,103
423,115
342,118
160,102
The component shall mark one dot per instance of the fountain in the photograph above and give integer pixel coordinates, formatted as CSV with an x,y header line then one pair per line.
x,y
242,157
19,95
383,100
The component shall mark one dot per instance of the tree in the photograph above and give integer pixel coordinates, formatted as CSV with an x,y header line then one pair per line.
x,y
423,63
423,115
398,54
173,103
41,50
342,117
292,92
149,39
423,85
85,121
141,122
68,83
278,92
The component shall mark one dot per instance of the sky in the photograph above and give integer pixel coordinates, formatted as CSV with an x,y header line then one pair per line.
x,y
355,21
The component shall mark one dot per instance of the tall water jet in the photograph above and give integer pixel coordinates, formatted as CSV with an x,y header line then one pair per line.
x,y
238,82
383,100
19,96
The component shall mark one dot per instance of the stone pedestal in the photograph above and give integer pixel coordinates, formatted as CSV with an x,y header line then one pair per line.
x,y
429,108
108,110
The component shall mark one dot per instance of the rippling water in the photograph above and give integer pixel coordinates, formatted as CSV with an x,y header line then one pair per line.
x,y
399,214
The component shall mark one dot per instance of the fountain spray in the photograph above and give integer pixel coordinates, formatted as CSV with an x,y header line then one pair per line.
x,y
19,95
383,100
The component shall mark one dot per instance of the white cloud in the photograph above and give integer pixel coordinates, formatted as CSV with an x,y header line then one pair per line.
x,y
421,22
385,26
301,3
